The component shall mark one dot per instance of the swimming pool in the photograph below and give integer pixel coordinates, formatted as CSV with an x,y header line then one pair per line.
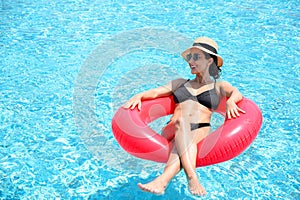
x,y
66,66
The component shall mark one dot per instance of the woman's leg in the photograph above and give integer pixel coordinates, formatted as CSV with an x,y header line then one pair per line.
x,y
172,167
186,145
158,185
187,141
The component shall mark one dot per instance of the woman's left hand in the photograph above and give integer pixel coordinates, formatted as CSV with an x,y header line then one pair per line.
x,y
232,110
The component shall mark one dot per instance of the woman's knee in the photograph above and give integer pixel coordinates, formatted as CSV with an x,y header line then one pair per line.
x,y
182,131
179,124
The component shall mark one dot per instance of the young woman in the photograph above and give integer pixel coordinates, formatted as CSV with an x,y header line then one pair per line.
x,y
195,101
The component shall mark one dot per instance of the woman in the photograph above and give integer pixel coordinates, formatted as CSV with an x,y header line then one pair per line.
x,y
195,101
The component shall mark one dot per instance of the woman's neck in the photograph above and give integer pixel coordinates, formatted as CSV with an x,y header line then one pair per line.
x,y
203,79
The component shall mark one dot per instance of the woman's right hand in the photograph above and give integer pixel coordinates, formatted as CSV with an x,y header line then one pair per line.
x,y
133,102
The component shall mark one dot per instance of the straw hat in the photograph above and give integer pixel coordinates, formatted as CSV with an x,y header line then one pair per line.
x,y
207,45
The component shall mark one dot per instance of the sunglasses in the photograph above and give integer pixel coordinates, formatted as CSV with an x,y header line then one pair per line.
x,y
189,56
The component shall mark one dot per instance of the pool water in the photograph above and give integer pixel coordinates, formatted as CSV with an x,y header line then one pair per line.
x,y
67,66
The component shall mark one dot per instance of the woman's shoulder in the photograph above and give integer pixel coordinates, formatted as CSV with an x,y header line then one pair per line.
x,y
180,80
176,83
222,83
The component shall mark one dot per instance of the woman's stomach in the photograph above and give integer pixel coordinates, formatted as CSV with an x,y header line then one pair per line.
x,y
192,112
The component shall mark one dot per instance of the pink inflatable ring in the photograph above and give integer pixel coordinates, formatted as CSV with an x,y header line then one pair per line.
x,y
131,130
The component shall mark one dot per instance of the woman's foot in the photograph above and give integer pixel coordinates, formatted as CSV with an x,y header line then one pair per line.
x,y
157,186
195,187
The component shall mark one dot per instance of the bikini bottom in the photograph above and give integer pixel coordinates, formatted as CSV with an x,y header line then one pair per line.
x,y
195,126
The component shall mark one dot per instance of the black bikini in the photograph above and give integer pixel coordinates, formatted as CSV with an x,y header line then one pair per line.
x,y
209,99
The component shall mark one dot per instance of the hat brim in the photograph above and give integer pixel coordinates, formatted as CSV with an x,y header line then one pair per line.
x,y
220,59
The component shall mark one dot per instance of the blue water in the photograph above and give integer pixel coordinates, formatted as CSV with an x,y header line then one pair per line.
x,y
66,66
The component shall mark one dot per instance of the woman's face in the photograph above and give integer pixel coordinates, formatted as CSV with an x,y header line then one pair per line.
x,y
197,61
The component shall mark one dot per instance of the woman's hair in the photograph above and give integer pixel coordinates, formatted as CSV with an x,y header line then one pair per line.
x,y
214,70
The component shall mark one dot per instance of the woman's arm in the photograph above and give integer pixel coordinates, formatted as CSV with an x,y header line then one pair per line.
x,y
234,96
161,91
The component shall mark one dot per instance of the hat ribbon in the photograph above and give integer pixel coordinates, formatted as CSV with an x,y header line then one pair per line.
x,y
206,46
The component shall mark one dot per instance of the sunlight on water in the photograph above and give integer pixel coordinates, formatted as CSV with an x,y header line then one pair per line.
x,y
66,67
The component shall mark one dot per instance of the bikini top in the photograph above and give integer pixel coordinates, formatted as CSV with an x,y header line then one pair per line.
x,y
209,98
